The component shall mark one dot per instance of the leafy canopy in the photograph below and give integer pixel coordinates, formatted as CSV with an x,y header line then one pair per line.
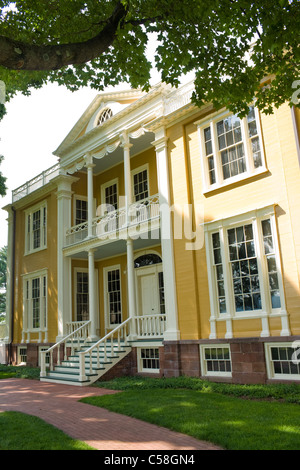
x,y
97,43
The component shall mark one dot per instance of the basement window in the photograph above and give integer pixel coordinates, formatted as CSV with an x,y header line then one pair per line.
x,y
283,360
148,360
22,356
215,360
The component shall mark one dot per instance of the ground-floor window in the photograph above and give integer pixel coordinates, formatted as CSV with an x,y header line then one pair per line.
x,y
35,301
22,355
215,360
148,360
113,295
82,295
283,360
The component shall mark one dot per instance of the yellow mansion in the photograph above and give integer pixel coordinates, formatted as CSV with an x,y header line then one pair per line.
x,y
165,241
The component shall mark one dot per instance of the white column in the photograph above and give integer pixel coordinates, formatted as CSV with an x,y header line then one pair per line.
x,y
161,147
129,244
89,165
92,296
64,303
9,273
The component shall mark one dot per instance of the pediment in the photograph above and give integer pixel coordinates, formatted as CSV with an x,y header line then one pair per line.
x,y
103,107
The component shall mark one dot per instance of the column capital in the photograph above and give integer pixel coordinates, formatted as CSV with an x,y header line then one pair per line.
x,y
124,140
160,143
88,158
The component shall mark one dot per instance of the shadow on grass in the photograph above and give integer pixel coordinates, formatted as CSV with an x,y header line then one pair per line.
x,y
232,423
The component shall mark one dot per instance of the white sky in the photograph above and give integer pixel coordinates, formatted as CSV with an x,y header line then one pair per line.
x,y
33,128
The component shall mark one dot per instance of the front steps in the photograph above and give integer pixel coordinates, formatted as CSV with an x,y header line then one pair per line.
x,y
68,371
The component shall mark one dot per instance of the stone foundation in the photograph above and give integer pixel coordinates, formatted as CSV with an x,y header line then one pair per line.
x,y
182,358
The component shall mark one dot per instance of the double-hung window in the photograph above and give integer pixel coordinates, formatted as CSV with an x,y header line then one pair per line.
x,y
244,266
35,301
113,296
231,148
36,228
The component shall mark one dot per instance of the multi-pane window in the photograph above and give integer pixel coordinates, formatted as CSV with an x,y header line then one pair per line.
x,y
215,360
114,302
35,302
283,361
22,355
245,268
82,296
218,267
231,148
111,197
271,263
140,185
81,211
149,360
36,229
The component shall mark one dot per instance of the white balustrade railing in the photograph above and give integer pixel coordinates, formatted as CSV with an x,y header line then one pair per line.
x,y
104,345
113,222
74,340
150,326
35,183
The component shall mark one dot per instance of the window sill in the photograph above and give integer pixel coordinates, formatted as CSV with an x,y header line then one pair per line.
x,y
247,177
249,316
37,250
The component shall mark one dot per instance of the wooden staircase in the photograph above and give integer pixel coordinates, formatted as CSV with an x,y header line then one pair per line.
x,y
88,360
95,365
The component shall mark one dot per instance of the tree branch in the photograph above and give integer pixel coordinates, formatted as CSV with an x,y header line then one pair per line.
x,y
17,55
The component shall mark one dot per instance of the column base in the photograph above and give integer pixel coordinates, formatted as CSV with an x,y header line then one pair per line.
x,y
171,335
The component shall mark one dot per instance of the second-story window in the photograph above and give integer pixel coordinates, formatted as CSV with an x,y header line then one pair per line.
x,y
140,184
81,211
36,228
231,148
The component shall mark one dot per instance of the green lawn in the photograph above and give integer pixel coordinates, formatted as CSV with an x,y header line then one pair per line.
x,y
235,417
259,422
19,431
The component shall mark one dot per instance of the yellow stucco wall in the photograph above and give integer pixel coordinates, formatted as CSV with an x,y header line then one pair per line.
x,y
43,259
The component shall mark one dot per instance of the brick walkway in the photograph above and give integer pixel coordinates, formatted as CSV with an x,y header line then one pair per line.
x,y
58,405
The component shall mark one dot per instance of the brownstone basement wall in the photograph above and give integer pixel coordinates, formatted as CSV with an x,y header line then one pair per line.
x,y
247,359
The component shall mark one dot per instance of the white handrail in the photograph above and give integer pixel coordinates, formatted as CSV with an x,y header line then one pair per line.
x,y
69,337
96,346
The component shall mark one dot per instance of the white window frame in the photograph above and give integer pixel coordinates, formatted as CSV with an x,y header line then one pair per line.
x,y
270,369
78,198
134,172
76,271
211,122
141,369
255,218
207,373
27,302
29,248
103,188
106,270
19,355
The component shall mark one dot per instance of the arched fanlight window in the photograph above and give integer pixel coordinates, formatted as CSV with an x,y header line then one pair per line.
x,y
147,260
106,114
